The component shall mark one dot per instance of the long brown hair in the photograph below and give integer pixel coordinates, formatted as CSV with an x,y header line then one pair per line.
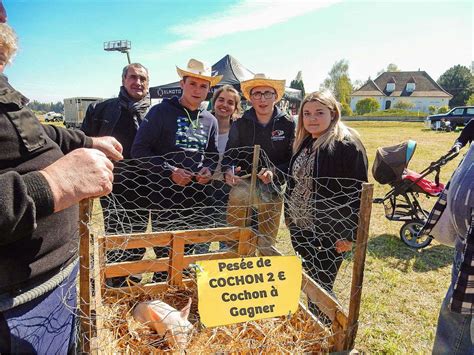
x,y
336,131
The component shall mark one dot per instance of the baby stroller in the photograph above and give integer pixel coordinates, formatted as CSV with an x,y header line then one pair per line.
x,y
401,202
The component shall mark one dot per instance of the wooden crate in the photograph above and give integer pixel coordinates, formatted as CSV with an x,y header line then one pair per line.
x,y
344,325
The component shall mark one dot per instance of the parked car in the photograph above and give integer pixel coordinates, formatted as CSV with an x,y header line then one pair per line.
x,y
458,116
53,117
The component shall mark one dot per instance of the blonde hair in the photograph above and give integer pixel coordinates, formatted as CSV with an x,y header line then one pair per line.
x,y
337,131
228,88
8,42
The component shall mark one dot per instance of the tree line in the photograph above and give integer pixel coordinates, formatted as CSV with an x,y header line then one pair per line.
x,y
46,107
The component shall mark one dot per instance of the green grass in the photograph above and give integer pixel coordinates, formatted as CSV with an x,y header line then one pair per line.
x,y
403,288
396,112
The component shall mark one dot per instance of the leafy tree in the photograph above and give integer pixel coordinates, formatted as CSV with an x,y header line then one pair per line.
x,y
339,82
404,105
346,109
431,109
443,109
470,100
459,82
46,107
297,83
390,67
367,105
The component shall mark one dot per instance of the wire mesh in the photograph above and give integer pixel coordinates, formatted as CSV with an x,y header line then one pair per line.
x,y
145,236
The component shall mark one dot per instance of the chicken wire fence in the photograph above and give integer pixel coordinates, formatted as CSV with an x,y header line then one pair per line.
x,y
142,242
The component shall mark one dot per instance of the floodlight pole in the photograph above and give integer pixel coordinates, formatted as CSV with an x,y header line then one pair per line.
x,y
122,46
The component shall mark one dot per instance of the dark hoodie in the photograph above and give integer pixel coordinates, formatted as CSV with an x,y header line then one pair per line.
x,y
168,135
275,139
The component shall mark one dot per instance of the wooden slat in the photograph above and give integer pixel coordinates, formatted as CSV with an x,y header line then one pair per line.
x,y
245,242
101,256
253,184
210,235
175,273
85,210
146,240
192,259
139,240
113,294
127,268
99,280
326,302
359,264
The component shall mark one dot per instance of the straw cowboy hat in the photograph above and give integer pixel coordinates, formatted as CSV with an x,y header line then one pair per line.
x,y
261,80
200,70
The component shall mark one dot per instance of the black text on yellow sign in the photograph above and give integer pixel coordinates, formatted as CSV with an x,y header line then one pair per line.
x,y
240,290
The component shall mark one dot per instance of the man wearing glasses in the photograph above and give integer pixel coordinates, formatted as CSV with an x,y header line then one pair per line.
x,y
265,125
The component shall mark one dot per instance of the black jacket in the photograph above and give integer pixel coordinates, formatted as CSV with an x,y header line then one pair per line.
x,y
34,242
101,118
107,118
467,134
275,139
336,199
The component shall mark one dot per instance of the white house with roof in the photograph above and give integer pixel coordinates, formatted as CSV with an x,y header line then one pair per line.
x,y
416,87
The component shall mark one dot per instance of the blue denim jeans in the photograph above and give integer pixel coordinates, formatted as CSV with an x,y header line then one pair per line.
x,y
455,331
45,325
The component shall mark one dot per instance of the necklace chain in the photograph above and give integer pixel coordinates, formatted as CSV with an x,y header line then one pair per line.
x,y
191,122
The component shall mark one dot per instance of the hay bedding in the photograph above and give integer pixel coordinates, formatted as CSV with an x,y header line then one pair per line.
x,y
295,334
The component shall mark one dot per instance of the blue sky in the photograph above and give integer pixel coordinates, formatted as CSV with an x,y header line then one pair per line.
x,y
61,42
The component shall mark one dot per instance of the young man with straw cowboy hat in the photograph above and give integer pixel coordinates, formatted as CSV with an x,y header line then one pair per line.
x,y
265,125
180,140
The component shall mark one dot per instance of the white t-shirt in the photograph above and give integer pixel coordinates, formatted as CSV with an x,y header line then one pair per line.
x,y
221,143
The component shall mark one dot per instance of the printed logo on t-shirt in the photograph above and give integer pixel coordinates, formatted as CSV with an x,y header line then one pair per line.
x,y
189,137
278,135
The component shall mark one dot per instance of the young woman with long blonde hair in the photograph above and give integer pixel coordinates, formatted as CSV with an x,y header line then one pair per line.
x,y
328,167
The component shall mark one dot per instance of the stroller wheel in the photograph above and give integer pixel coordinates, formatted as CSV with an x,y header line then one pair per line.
x,y
409,235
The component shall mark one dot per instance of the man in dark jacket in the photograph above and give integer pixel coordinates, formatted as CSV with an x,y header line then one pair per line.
x,y
120,118
44,172
265,125
179,140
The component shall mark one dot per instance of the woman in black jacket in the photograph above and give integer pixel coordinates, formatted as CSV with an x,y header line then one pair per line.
x,y
327,170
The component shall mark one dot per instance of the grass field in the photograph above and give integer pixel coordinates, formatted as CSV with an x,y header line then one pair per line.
x,y
403,288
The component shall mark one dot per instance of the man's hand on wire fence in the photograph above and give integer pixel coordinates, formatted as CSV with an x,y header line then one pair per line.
x,y
109,146
78,175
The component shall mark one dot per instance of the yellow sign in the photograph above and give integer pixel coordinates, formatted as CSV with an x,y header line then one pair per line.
x,y
244,289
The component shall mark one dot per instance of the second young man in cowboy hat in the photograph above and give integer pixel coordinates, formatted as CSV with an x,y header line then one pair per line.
x,y
265,125
180,140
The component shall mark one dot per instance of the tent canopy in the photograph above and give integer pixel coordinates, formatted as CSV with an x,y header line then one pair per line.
x,y
233,73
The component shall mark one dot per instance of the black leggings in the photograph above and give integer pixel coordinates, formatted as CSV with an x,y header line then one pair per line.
x,y
320,259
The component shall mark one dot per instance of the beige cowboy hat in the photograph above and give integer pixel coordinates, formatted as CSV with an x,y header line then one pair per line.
x,y
200,70
261,80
